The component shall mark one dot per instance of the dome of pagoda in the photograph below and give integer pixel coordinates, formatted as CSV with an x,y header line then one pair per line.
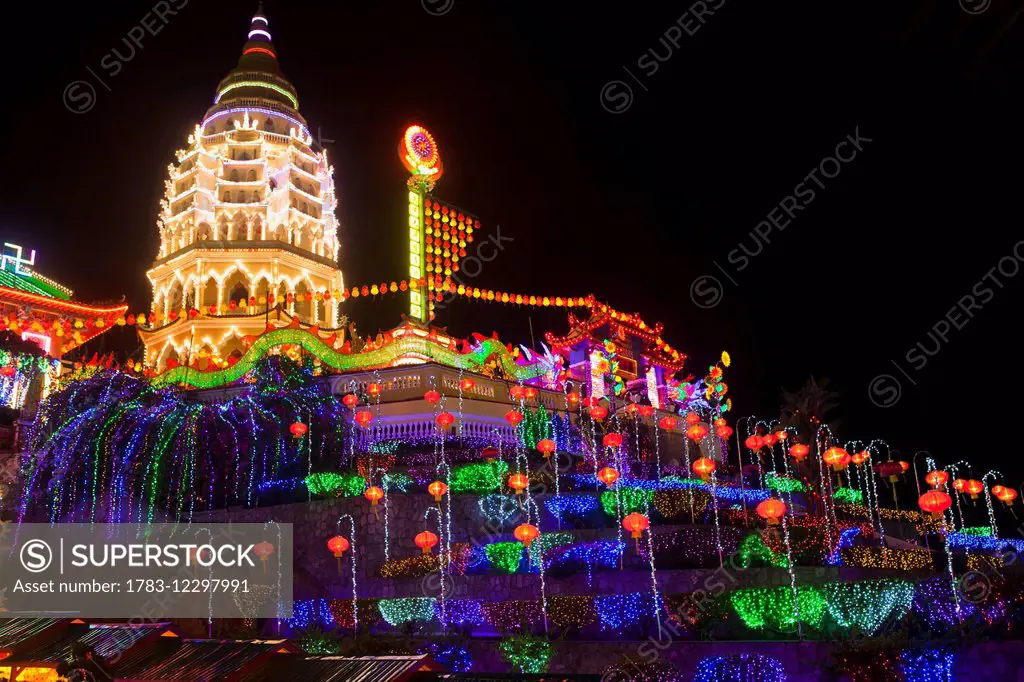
x,y
257,80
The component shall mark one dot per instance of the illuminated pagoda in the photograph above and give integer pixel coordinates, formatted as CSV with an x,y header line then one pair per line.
x,y
41,313
247,226
574,507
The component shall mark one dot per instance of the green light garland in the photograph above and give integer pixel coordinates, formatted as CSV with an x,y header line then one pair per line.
x,y
259,84
848,496
773,607
407,610
527,653
753,550
548,541
335,484
978,531
478,478
347,362
505,556
784,484
868,604
630,499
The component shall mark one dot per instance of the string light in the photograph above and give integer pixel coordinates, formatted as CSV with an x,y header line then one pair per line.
x,y
513,615
528,653
572,611
505,556
866,605
739,668
899,559
620,611
407,610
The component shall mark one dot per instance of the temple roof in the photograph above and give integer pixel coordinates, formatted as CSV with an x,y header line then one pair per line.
x,y
258,76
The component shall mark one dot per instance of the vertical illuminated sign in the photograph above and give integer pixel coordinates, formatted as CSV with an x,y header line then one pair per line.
x,y
418,308
420,156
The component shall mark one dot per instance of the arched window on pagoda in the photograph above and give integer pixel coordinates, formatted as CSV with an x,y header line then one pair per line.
x,y
234,175
227,196
237,288
303,308
209,293
251,176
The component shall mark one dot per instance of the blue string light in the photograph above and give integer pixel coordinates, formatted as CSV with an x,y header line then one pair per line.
x,y
620,611
571,505
929,665
459,612
739,668
978,543
455,658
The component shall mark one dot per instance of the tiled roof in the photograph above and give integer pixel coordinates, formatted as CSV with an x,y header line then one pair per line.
x,y
18,630
194,660
349,669
31,284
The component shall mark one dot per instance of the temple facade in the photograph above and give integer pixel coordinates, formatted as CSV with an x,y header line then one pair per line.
x,y
247,224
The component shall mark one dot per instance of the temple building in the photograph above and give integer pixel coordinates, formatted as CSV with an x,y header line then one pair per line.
x,y
247,226
39,323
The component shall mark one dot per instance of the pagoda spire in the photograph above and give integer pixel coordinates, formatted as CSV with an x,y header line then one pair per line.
x,y
258,74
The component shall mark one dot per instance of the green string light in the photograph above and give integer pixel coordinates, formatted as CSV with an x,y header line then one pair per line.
x,y
505,556
407,610
529,654
630,499
478,478
866,605
336,484
773,607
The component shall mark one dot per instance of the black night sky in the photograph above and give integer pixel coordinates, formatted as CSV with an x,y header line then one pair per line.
x,y
632,206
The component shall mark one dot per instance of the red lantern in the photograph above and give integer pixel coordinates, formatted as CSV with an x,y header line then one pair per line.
x,y
489,454
263,550
530,393
467,385
781,435
703,467
374,389
646,411
959,484
890,470
692,418
514,418
517,392
837,458
612,440
526,533
636,524
597,413
373,494
938,478
546,447
719,422
432,397
696,432
754,442
337,546
298,429
771,510
363,418
769,440
572,397
444,420
591,401
724,432
632,409
859,458
904,466
934,502
437,489
425,541
974,488
8,370
1004,494
608,476
668,423
518,482
350,400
